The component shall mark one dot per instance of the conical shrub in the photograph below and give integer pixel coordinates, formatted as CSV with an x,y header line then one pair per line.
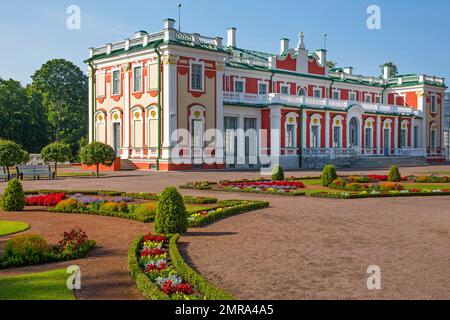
x,y
13,198
171,216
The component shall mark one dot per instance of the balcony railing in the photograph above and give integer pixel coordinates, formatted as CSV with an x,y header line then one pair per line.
x,y
291,100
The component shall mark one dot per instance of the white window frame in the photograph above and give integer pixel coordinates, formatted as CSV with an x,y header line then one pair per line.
x,y
319,126
120,82
433,107
302,89
367,98
378,99
341,121
235,80
352,93
202,75
285,86
317,89
263,83
134,78
295,126
338,94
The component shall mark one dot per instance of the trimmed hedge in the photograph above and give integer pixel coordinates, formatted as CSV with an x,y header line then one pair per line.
x,y
290,194
381,195
204,220
151,291
210,290
147,288
122,215
13,198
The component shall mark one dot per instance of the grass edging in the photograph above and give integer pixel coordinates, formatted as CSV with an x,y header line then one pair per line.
x,y
151,291
344,196
146,287
120,215
210,290
210,218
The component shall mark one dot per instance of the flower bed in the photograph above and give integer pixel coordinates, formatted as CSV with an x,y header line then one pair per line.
x,y
109,193
432,179
146,212
384,194
44,200
160,273
29,249
288,187
226,208
349,184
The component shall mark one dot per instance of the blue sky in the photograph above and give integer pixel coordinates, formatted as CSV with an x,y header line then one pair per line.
x,y
414,33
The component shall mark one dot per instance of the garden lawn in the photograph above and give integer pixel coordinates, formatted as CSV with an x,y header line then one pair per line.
x,y
49,285
11,227
195,207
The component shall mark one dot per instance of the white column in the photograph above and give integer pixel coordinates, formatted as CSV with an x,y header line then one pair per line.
x,y
169,106
347,133
304,143
379,133
240,141
422,106
91,105
275,134
327,129
219,114
126,115
396,124
411,133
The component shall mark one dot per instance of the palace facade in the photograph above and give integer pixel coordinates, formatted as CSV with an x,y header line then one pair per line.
x,y
289,106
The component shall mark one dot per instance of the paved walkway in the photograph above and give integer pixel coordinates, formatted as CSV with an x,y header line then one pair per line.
x,y
299,248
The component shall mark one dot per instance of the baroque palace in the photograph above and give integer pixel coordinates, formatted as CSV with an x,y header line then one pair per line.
x,y
288,106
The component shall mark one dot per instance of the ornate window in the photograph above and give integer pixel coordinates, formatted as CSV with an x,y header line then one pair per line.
x,y
197,76
116,82
291,130
315,132
337,132
302,92
137,79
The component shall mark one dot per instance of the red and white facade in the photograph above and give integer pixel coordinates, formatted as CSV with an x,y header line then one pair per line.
x,y
286,106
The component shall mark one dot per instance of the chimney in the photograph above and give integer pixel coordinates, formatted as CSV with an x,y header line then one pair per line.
x,y
322,54
231,41
169,24
348,70
386,72
284,45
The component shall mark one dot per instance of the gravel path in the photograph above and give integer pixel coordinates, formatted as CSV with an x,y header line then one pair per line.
x,y
299,248
104,271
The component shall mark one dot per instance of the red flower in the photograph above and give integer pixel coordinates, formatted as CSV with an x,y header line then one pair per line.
x,y
169,288
49,200
152,252
155,238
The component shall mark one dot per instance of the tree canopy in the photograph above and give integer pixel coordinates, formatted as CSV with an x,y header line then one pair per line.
x,y
11,154
98,153
56,152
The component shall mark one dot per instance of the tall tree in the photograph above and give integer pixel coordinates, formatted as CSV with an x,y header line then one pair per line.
x,y
64,88
393,69
13,102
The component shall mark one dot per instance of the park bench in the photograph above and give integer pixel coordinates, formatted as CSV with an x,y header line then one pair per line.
x,y
35,171
3,175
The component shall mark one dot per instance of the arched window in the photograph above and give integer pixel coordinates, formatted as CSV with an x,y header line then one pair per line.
x,y
100,127
337,132
152,130
404,134
301,92
291,130
315,127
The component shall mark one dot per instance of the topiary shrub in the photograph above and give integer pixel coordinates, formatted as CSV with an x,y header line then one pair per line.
x,y
394,175
277,173
329,174
29,248
13,198
171,216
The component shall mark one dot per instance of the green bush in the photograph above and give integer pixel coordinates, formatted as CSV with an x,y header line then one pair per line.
x,y
277,173
171,216
329,174
26,245
394,175
145,211
13,198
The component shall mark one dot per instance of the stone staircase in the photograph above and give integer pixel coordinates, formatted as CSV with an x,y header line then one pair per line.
x,y
387,162
127,165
